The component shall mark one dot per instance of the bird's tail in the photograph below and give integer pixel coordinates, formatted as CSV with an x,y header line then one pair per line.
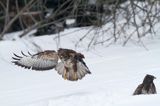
x,y
72,75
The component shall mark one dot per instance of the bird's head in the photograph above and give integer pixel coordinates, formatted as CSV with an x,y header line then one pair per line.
x,y
66,53
63,54
148,79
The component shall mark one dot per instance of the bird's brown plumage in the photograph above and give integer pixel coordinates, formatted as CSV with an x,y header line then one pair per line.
x,y
147,87
74,66
71,65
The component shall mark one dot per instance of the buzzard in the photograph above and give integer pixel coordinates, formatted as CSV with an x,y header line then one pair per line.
x,y
66,62
147,87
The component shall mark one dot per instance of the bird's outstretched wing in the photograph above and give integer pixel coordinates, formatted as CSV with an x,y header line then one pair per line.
x,y
41,61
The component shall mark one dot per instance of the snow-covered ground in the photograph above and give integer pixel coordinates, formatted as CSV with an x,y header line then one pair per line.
x,y
116,72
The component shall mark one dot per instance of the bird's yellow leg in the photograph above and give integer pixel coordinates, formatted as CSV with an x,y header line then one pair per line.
x,y
75,71
65,73
75,76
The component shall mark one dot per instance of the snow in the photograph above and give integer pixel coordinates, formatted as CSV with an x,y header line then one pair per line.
x,y
116,72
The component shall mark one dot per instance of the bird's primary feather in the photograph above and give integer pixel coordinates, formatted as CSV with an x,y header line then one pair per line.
x,y
41,61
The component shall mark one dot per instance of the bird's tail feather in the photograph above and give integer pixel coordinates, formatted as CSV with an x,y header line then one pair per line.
x,y
72,75
60,68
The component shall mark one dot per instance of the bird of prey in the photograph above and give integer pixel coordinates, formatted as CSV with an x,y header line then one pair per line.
x,y
147,87
67,62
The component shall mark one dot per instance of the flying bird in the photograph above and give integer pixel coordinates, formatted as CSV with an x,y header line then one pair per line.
x,y
66,62
147,86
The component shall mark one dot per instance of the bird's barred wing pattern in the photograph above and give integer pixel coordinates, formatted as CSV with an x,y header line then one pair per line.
x,y
72,67
41,61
